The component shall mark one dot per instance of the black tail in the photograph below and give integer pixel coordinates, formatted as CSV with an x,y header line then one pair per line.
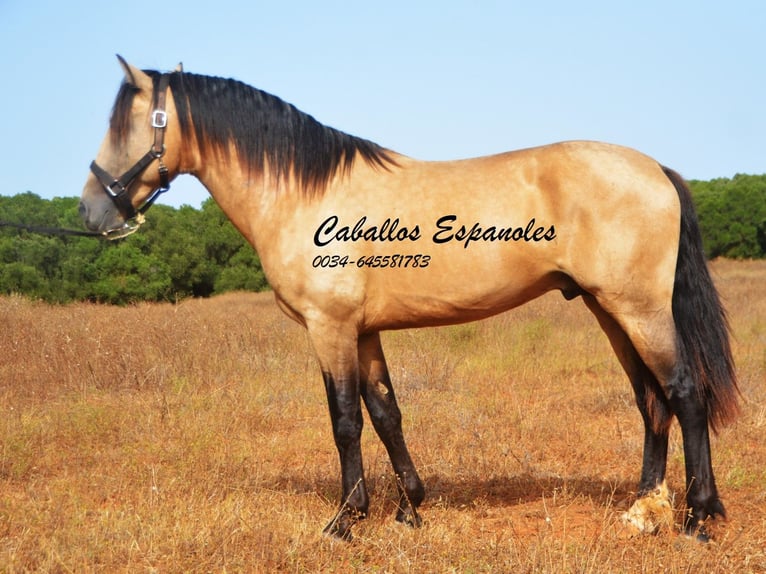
x,y
701,324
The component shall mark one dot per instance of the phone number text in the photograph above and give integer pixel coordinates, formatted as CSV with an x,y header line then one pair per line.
x,y
398,261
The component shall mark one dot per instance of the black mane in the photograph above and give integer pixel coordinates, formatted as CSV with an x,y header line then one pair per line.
x,y
264,129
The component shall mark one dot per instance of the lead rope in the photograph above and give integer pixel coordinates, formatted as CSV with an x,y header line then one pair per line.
x,y
128,229
50,230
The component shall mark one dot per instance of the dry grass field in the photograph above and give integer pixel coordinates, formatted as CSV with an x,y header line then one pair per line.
x,y
195,438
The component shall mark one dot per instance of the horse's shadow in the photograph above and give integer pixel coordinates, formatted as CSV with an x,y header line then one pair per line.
x,y
520,489
447,491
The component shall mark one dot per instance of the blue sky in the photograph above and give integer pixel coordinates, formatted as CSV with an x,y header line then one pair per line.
x,y
683,81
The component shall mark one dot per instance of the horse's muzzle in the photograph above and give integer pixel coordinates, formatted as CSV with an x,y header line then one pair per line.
x,y
100,215
109,221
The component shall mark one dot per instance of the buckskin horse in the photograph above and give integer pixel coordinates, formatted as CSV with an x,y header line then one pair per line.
x,y
355,239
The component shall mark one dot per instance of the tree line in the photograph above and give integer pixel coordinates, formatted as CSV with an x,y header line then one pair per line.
x,y
732,214
177,253
189,252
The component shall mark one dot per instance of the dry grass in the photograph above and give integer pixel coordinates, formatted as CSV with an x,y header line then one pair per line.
x,y
195,438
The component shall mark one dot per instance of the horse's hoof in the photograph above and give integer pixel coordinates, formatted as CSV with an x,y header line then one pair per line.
x,y
336,532
410,517
697,533
339,527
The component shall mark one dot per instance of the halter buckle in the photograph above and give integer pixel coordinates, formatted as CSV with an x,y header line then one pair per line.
x,y
159,119
110,189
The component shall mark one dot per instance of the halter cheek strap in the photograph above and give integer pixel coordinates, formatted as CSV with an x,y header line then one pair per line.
x,y
117,187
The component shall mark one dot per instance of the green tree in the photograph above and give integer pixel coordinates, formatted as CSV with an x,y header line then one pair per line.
x,y
732,215
20,278
177,253
237,265
127,274
242,273
175,236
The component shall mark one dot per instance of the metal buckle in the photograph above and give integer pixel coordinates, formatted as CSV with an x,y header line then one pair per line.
x,y
110,189
159,119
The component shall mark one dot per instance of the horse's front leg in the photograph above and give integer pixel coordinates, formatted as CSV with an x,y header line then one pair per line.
x,y
340,369
379,397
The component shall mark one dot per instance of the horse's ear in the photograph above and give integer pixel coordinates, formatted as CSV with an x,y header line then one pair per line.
x,y
179,67
134,76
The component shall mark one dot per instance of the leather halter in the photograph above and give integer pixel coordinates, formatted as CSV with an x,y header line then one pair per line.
x,y
117,187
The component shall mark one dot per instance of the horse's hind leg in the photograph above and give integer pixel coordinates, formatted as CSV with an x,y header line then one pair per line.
x,y
646,514
701,491
379,397
659,367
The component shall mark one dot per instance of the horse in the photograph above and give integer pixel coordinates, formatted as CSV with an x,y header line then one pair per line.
x,y
355,239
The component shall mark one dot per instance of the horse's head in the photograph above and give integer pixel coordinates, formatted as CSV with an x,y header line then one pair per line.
x,y
138,157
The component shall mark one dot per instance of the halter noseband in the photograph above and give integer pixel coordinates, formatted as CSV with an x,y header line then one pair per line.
x,y
117,187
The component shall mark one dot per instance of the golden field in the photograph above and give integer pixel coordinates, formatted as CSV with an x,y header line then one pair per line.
x,y
195,437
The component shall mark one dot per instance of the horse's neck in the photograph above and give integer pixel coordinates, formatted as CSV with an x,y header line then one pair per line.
x,y
248,199
260,205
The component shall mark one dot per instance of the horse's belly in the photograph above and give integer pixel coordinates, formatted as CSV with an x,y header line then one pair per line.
x,y
456,296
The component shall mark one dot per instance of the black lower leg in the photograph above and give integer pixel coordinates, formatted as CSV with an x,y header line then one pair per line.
x,y
346,415
386,418
380,400
701,492
654,460
657,417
